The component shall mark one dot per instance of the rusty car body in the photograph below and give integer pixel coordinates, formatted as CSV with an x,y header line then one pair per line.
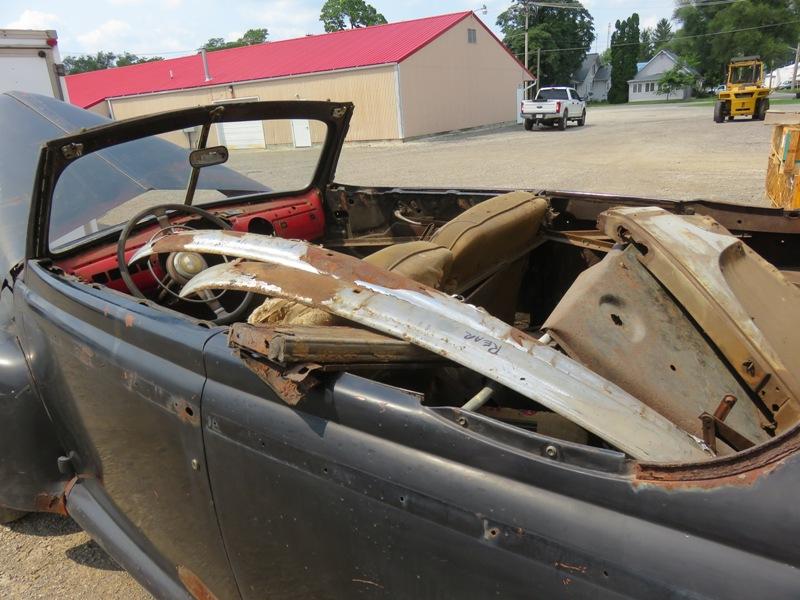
x,y
336,391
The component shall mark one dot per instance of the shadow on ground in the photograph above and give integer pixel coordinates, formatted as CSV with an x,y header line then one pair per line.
x,y
91,555
41,524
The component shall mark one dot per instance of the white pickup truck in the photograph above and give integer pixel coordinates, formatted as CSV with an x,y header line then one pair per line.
x,y
554,106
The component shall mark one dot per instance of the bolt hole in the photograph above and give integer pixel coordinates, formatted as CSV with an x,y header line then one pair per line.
x,y
493,532
775,407
402,499
189,411
672,368
605,573
325,470
616,319
355,291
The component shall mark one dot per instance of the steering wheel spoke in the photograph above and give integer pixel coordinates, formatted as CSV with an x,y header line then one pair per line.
x,y
163,214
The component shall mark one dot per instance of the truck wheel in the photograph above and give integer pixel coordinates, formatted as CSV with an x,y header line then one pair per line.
x,y
582,120
761,110
719,112
7,515
528,124
562,124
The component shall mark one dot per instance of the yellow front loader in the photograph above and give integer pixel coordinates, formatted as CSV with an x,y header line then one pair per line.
x,y
744,94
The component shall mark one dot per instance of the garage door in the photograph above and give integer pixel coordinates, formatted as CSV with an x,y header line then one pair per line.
x,y
242,134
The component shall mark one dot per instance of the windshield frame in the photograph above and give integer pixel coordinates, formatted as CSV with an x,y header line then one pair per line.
x,y
59,153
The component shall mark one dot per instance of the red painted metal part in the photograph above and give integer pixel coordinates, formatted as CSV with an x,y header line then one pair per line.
x,y
300,217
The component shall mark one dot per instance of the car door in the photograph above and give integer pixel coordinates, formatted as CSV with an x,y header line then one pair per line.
x,y
360,491
575,103
122,381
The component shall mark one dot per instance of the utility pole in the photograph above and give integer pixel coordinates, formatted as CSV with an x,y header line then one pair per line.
x,y
536,4
796,60
538,66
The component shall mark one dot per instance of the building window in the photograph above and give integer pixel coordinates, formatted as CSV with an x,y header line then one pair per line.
x,y
472,36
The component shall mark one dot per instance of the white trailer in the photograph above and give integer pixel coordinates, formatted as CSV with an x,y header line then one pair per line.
x,y
30,62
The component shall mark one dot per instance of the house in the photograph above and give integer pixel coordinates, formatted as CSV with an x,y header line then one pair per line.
x,y
582,78
593,79
601,84
406,79
644,86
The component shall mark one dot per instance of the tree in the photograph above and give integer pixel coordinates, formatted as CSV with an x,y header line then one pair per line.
x,y
676,78
338,14
646,45
250,37
624,56
126,58
103,60
557,32
709,36
662,35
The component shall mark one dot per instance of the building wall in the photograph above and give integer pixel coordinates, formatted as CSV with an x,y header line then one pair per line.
x,y
652,94
660,63
372,90
452,84
600,89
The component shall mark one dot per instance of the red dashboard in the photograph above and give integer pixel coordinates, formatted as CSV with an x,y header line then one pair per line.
x,y
300,217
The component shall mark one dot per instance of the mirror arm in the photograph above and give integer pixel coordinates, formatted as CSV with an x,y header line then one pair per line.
x,y
195,174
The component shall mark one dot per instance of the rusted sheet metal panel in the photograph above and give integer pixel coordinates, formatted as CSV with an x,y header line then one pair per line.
x,y
743,304
397,306
618,321
290,385
289,344
741,469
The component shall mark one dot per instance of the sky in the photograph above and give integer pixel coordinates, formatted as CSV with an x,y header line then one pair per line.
x,y
173,27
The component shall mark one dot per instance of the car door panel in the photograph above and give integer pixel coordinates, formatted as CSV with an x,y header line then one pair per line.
x,y
360,491
122,382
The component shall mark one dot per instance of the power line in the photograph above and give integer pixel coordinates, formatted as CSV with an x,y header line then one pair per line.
x,y
683,37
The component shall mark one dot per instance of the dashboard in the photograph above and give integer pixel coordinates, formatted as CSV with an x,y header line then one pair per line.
x,y
299,217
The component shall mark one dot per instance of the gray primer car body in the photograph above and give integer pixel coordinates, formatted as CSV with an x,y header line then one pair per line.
x,y
149,429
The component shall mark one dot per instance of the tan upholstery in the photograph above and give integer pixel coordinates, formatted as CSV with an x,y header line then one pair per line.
x,y
488,240
424,262
489,235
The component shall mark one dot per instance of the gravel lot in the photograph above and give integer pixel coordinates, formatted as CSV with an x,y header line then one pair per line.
x,y
668,151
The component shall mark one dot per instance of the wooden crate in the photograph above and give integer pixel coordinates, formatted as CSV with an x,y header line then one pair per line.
x,y
783,169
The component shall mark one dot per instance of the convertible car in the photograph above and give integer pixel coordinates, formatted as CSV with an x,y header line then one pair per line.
x,y
246,380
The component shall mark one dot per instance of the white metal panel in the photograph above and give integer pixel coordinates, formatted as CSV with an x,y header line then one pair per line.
x,y
242,134
26,72
301,133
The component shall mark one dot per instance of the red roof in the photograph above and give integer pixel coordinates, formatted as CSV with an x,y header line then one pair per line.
x,y
377,45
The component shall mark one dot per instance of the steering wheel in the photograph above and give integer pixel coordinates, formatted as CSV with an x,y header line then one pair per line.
x,y
180,266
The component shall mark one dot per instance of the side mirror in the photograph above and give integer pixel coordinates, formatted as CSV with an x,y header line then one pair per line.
x,y
208,157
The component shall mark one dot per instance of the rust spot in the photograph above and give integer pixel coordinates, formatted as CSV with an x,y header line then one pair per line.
x,y
288,390
50,503
569,567
742,469
188,413
194,584
129,320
